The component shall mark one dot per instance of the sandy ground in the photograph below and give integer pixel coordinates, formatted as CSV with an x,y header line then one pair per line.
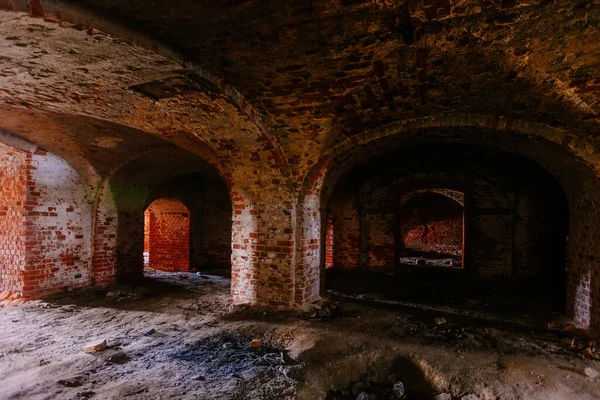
x,y
201,350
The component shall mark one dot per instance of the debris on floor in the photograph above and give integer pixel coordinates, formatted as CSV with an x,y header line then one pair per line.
x,y
94,346
200,349
322,309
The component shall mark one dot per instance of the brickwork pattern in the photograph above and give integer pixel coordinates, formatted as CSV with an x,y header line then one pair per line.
x,y
432,224
168,235
13,199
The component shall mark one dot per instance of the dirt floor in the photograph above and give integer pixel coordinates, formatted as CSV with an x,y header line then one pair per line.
x,y
176,336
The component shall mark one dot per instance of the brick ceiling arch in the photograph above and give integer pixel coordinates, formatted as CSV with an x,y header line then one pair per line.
x,y
319,72
310,76
54,67
572,161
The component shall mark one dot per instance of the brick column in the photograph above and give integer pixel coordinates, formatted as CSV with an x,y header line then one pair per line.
x,y
262,251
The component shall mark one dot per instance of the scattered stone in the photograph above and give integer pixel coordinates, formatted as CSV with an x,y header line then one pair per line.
x,y
591,372
470,397
73,382
199,378
398,389
150,332
52,19
440,320
111,294
95,346
443,396
86,395
256,343
94,31
321,309
228,345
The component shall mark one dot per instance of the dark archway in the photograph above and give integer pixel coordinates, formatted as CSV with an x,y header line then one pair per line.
x,y
188,181
394,215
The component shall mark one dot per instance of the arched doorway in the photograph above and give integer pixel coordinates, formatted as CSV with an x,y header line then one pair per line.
x,y
167,235
173,217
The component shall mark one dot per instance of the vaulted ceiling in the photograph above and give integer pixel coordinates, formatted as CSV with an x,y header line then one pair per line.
x,y
315,73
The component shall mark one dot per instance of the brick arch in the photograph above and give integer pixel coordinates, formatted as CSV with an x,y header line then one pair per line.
x,y
436,182
82,16
454,221
261,256
572,143
119,208
571,159
455,195
19,124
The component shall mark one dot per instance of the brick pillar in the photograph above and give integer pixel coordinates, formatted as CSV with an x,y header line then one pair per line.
x,y
309,255
329,241
262,250
104,259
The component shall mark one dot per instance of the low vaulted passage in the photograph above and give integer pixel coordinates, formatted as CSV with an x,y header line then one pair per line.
x,y
408,173
449,224
173,217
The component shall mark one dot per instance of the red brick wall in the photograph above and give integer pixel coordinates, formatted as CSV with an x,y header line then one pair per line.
x,y
13,197
346,252
146,231
380,238
432,223
45,222
104,259
59,225
169,235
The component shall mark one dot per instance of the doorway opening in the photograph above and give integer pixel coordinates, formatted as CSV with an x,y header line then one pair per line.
x,y
167,235
431,229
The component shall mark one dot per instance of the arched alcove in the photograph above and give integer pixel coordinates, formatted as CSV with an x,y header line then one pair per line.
x,y
406,223
182,203
45,222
